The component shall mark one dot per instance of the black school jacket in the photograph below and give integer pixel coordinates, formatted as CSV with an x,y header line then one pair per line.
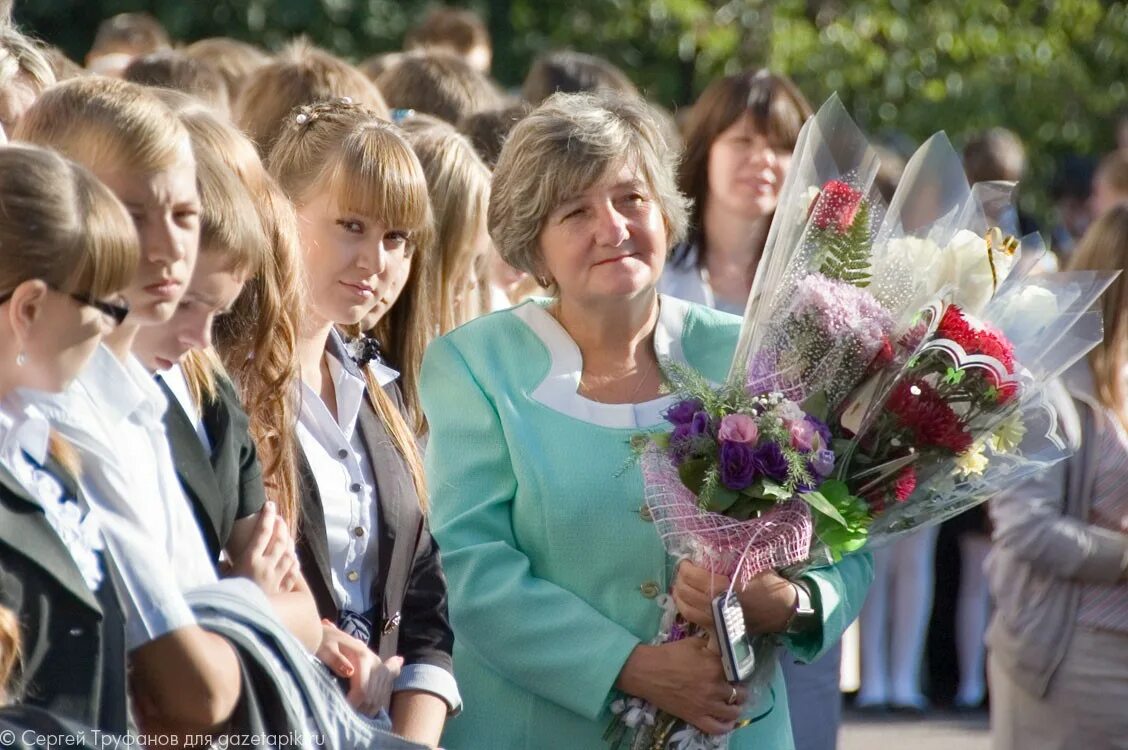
x,y
74,661
410,588
227,485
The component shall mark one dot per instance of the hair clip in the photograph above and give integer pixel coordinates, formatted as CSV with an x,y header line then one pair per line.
x,y
302,118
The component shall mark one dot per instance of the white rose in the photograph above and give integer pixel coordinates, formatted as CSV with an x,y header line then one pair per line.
x,y
967,268
1024,314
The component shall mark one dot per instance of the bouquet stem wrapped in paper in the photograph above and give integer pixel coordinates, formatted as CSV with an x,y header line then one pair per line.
x,y
891,372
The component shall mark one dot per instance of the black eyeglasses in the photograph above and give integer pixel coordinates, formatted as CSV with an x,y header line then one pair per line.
x,y
118,312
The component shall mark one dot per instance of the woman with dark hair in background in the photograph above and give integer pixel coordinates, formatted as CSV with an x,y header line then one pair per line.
x,y
738,143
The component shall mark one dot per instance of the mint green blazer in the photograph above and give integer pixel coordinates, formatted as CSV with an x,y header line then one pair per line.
x,y
552,568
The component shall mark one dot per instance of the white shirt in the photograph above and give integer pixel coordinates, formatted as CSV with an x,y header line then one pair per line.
x,y
691,283
24,438
178,384
112,415
339,461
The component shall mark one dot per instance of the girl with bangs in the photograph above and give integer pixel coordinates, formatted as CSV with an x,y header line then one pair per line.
x,y
67,252
364,216
112,412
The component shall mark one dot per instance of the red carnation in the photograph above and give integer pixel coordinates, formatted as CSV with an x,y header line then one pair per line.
x,y
905,484
920,409
954,327
836,207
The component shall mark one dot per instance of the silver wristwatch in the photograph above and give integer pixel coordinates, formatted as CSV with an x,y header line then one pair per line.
x,y
804,618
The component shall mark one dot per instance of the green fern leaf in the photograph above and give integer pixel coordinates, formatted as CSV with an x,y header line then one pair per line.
x,y
846,255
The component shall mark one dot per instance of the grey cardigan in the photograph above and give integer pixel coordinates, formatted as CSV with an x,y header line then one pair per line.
x,y
1045,549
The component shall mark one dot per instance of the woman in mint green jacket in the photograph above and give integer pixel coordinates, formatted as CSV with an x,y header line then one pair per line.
x,y
554,565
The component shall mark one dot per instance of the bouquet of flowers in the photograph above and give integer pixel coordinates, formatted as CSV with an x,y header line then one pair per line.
x,y
891,372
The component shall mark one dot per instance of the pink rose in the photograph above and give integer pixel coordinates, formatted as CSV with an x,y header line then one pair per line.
x,y
804,436
738,428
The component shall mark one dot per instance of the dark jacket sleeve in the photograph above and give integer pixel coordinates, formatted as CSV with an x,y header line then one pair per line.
x,y
425,633
252,493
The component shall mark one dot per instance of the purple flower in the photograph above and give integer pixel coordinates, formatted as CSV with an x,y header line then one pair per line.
x,y
822,463
822,430
771,462
738,428
683,411
738,465
701,424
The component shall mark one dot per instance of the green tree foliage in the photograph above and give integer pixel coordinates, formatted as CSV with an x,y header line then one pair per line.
x,y
1055,71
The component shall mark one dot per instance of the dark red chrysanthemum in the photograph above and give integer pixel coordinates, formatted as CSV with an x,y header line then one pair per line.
x,y
898,490
836,207
921,410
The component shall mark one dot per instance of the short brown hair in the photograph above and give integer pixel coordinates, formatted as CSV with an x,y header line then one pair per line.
x,y
457,28
777,108
562,148
300,75
175,70
439,84
132,33
995,154
571,72
487,130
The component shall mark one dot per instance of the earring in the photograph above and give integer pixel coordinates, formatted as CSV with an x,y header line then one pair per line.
x,y
21,358
544,281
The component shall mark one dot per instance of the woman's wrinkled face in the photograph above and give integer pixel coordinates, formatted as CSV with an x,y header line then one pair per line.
x,y
211,293
745,171
165,207
610,241
355,265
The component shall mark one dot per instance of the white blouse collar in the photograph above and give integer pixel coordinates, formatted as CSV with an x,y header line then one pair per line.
x,y
24,428
559,390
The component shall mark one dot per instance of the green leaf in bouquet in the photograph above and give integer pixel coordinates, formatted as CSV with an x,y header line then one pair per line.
x,y
767,489
749,507
954,376
721,500
846,255
660,440
822,505
692,474
817,406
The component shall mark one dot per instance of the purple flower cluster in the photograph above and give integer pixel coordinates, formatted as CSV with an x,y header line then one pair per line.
x,y
843,312
742,458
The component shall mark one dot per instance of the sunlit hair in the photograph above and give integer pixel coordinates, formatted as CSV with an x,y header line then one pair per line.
x,y
1105,248
106,124
299,75
21,58
62,66
563,148
345,150
777,109
459,185
11,651
440,84
175,70
570,72
60,224
233,59
132,33
256,340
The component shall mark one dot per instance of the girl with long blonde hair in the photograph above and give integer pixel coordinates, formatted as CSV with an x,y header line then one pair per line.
x,y
364,218
459,185
1058,570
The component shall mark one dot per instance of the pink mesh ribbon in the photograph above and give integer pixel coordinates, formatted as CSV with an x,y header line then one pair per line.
x,y
736,548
